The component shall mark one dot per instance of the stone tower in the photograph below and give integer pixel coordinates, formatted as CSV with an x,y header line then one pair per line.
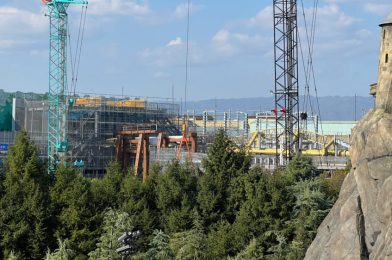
x,y
384,88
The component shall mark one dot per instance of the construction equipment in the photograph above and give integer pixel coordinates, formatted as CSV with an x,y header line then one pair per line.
x,y
58,101
184,140
334,147
133,146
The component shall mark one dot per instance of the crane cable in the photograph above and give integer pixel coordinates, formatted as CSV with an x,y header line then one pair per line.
x,y
75,61
186,62
310,53
309,68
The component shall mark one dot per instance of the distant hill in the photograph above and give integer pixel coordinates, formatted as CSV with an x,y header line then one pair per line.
x,y
331,108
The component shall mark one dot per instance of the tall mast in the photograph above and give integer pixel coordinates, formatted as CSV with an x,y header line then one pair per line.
x,y
286,79
57,94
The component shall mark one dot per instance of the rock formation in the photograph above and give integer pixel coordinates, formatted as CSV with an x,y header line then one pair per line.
x,y
359,226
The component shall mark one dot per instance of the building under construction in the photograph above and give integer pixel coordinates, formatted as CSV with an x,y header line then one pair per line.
x,y
137,132
93,124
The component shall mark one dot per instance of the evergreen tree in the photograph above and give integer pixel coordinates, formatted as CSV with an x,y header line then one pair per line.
x,y
190,244
267,207
12,256
23,211
160,247
332,182
223,164
251,252
176,197
300,168
220,241
73,207
279,250
114,225
139,201
62,253
311,206
105,191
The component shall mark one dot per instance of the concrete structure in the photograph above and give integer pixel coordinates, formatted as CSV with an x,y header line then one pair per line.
x,y
384,85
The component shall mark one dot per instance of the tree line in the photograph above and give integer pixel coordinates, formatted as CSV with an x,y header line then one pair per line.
x,y
227,210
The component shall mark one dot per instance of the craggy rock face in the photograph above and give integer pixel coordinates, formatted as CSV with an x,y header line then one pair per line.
x,y
359,225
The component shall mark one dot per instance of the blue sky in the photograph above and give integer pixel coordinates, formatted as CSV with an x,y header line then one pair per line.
x,y
138,47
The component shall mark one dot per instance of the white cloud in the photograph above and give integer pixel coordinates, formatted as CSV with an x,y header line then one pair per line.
x,y
224,44
264,18
174,55
378,8
139,10
221,41
18,21
7,43
228,44
175,42
336,32
118,7
20,28
161,56
181,10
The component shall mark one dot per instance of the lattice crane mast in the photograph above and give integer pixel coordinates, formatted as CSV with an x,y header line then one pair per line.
x,y
57,94
286,79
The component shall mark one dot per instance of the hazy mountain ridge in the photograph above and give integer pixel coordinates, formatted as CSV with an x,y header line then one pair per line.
x,y
331,107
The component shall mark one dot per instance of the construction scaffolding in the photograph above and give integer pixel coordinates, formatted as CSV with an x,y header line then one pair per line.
x,y
92,124
102,129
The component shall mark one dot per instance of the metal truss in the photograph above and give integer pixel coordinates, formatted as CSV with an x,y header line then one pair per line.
x,y
286,78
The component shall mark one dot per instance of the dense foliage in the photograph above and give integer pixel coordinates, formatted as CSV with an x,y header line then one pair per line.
x,y
225,210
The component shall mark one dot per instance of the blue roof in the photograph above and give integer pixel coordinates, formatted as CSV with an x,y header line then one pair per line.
x,y
388,20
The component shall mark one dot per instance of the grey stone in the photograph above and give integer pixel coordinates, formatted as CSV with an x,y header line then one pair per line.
x,y
359,224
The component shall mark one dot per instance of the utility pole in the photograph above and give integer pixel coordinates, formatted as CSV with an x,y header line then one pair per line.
x,y
286,78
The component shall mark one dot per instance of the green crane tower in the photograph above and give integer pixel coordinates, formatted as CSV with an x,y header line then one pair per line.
x,y
57,96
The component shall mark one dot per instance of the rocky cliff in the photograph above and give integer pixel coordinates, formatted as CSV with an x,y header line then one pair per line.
x,y
359,226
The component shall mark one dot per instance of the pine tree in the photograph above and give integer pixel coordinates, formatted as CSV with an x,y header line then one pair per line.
x,y
160,247
220,241
251,252
106,191
12,256
114,225
224,163
176,197
75,218
62,253
278,250
300,168
139,201
23,206
311,206
190,244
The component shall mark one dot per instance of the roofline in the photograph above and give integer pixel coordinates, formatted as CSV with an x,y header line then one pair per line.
x,y
384,24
